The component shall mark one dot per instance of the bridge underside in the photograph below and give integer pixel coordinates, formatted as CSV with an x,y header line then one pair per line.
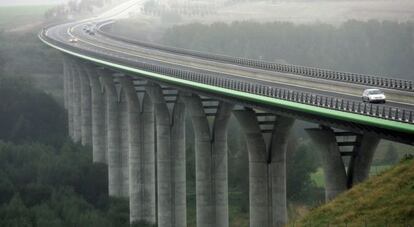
x,y
136,126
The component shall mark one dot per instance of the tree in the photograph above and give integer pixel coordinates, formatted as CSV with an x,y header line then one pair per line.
x,y
300,165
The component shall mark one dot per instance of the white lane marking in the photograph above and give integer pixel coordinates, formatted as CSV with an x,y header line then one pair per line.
x,y
128,52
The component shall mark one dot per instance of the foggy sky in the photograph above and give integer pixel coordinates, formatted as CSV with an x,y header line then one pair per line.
x,y
30,2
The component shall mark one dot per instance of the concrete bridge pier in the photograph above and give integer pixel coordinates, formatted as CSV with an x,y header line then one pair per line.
x,y
65,78
334,169
86,107
141,141
99,126
337,178
211,160
170,137
362,160
77,113
115,134
69,95
266,138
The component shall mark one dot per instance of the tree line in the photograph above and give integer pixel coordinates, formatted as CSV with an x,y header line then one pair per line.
x,y
371,47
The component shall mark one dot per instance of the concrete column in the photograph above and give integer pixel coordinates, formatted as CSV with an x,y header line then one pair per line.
x,y
86,107
278,147
267,170
113,136
141,136
124,142
77,114
99,132
65,81
70,99
171,179
334,170
211,163
364,156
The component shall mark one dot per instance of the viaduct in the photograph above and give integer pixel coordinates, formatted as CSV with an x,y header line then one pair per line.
x,y
128,99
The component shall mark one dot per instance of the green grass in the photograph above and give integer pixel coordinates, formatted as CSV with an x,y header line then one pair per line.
x,y
12,16
317,178
387,198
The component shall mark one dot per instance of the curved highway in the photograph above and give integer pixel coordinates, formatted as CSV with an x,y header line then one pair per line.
x,y
132,54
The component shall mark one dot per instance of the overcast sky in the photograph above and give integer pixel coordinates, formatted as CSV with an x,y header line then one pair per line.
x,y
30,2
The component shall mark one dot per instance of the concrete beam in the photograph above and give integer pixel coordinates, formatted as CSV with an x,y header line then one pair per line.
x,y
141,139
267,169
171,178
211,163
334,170
99,127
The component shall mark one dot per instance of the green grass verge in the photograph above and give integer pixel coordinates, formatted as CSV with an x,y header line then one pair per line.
x,y
386,199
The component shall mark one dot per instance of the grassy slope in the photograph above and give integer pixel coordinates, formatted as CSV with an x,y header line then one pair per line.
x,y
386,198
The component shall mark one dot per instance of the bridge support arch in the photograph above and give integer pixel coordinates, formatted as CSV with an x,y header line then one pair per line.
x,y
99,125
267,165
116,134
141,142
211,160
337,178
171,174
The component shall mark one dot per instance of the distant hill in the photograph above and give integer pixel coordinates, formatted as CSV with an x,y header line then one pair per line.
x,y
383,200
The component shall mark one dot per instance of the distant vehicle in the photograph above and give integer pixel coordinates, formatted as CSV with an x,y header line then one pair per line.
x,y
73,40
373,95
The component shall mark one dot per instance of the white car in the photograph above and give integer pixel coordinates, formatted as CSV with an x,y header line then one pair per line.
x,y
373,95
73,40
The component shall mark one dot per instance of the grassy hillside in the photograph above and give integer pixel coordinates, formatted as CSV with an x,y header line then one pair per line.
x,y
386,199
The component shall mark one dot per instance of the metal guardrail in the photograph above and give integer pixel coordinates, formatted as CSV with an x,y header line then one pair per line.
x,y
220,80
370,80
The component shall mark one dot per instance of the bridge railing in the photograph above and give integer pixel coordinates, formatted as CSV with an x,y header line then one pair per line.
x,y
222,80
363,79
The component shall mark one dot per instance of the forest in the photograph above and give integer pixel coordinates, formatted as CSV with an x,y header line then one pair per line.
x,y
372,47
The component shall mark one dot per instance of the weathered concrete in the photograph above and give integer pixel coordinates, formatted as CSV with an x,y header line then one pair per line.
x,y
86,107
211,163
99,132
278,149
171,178
66,73
364,156
70,99
334,169
267,172
77,114
115,182
141,138
124,142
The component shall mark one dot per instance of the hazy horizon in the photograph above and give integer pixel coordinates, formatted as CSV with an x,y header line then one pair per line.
x,y
30,2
